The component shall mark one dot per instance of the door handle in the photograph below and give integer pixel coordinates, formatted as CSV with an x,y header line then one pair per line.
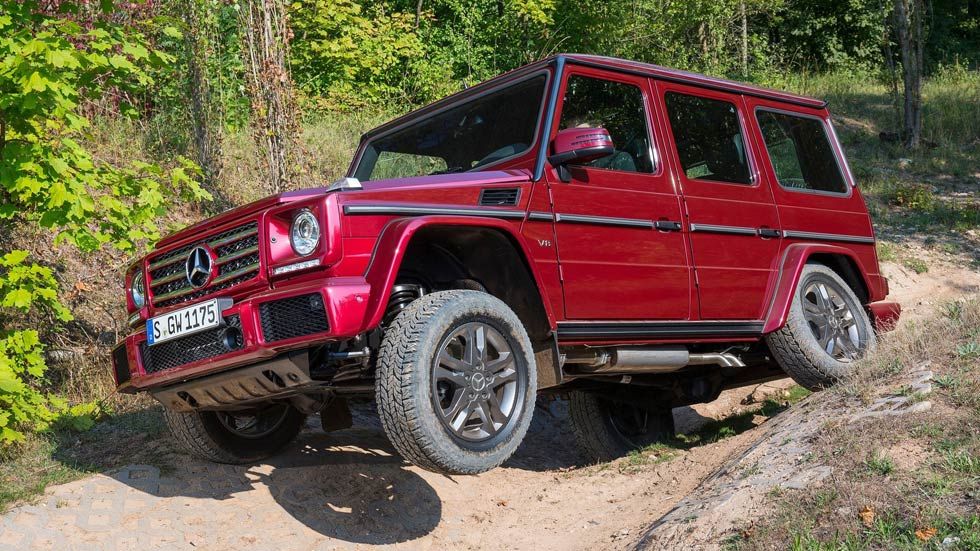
x,y
769,233
668,225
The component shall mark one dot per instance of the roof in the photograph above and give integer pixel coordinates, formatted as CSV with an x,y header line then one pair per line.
x,y
693,79
608,63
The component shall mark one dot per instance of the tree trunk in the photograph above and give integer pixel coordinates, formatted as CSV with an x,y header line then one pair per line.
x,y
265,47
207,112
908,30
745,39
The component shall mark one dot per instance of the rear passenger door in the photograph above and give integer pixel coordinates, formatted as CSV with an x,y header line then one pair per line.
x,y
810,181
733,222
615,262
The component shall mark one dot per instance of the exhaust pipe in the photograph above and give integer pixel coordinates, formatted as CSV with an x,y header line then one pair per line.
x,y
647,360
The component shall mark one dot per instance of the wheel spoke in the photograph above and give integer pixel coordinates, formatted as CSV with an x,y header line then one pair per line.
x,y
455,364
482,411
503,377
812,307
476,344
827,343
816,318
505,360
823,297
459,411
847,346
496,413
455,377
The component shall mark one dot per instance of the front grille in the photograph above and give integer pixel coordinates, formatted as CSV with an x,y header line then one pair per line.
x,y
199,346
293,317
237,259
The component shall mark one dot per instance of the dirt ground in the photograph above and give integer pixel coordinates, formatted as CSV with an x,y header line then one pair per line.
x,y
349,490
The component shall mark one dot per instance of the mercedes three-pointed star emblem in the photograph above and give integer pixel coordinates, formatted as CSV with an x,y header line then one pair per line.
x,y
198,267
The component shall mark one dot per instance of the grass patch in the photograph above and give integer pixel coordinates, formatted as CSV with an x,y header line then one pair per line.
x,y
879,463
918,489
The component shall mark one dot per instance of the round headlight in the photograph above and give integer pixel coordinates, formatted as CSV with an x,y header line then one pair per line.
x,y
304,234
137,290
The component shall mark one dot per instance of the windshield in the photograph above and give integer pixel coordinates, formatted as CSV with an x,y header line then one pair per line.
x,y
469,136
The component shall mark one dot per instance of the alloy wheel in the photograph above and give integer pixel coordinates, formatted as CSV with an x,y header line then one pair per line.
x,y
476,387
832,322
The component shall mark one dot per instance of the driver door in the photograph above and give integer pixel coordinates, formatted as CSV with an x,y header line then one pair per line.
x,y
621,251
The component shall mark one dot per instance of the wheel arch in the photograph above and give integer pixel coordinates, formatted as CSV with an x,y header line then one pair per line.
x,y
508,275
841,260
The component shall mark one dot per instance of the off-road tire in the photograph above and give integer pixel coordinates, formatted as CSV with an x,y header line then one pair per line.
x,y
795,347
404,377
597,436
203,435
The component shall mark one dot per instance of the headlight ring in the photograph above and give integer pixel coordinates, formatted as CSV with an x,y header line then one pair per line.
x,y
304,233
137,290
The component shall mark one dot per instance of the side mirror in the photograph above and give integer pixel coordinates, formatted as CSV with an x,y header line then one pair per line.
x,y
579,145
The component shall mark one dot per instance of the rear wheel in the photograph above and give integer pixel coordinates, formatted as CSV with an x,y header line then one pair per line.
x,y
456,382
826,332
606,429
236,436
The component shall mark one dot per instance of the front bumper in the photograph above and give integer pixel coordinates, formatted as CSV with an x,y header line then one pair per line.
x,y
276,321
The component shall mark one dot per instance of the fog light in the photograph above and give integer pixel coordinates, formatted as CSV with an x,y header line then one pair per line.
x,y
231,338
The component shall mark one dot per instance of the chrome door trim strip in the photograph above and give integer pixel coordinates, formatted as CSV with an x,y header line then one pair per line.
x,y
604,220
420,211
540,216
714,228
817,236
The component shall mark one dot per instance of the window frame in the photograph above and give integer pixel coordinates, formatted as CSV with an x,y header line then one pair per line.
x,y
609,75
735,100
362,148
832,143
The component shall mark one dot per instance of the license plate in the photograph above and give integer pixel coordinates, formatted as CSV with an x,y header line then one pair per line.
x,y
183,322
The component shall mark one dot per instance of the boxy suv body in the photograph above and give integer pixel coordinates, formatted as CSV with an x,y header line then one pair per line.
x,y
632,237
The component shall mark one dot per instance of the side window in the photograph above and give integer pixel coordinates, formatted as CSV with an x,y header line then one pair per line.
x,y
617,107
709,138
800,151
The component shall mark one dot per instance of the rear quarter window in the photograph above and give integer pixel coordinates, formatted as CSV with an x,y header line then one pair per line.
x,y
800,152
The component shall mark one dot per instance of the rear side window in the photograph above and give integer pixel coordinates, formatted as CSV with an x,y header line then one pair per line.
x,y
709,138
618,108
800,151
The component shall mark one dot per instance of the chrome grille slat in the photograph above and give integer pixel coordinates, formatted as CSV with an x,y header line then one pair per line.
x,y
237,255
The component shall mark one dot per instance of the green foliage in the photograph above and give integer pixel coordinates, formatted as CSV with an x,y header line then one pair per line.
x,y
344,52
49,65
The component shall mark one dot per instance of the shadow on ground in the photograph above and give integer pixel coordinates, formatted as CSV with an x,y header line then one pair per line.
x,y
348,485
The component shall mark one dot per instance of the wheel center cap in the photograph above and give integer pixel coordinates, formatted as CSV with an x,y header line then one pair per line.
x,y
478,382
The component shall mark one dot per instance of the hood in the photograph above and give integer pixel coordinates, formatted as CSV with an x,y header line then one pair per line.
x,y
431,184
241,212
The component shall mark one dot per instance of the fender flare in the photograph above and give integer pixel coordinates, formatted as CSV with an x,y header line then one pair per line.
x,y
389,252
790,267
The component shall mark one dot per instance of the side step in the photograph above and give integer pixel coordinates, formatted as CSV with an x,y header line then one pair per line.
x,y
661,359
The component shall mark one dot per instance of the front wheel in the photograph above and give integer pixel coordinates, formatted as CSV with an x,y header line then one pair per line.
x,y
236,437
826,332
456,382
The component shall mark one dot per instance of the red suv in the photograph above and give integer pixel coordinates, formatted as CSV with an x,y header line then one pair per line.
x,y
632,237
